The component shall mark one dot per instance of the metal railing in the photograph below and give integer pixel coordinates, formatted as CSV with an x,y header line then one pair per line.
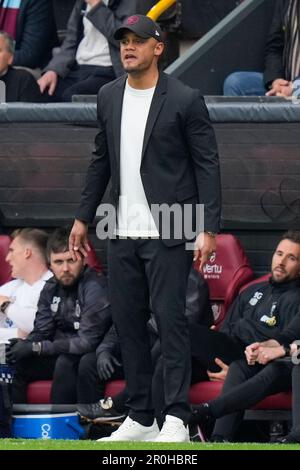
x,y
160,8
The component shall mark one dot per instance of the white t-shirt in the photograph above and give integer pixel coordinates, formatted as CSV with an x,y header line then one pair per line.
x,y
93,49
134,216
21,313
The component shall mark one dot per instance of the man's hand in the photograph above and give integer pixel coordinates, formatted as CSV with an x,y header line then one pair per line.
x,y
93,3
3,298
280,87
219,376
205,245
106,363
18,349
268,354
48,80
78,240
251,353
22,334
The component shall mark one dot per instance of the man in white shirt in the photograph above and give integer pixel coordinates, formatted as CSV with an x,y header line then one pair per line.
x,y
19,298
89,56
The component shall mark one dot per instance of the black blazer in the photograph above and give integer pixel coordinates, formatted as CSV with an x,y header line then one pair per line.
x,y
179,160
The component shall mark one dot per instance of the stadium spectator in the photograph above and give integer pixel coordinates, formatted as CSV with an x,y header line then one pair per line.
x,y
20,85
264,313
73,316
108,358
89,56
32,25
19,298
282,57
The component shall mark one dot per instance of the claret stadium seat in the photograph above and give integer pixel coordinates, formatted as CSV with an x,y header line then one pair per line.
x,y
5,270
92,259
226,272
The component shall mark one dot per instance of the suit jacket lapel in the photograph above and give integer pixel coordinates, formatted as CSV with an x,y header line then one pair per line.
x,y
117,116
156,105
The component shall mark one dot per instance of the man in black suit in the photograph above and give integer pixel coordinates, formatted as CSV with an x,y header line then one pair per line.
x,y
157,145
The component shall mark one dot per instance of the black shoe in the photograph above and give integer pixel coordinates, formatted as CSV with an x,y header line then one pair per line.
x,y
202,417
290,438
201,413
101,412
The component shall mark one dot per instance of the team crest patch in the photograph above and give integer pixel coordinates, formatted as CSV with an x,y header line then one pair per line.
x,y
55,303
132,20
270,321
256,297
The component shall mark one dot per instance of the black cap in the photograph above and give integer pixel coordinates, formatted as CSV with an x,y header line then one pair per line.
x,y
142,26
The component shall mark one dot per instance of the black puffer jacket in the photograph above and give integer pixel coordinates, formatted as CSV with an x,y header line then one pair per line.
x,y
73,320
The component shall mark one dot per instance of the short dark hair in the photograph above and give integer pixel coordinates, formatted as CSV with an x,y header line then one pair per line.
x,y
58,241
292,235
35,236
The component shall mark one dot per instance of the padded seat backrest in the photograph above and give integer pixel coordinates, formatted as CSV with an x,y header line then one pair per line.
x,y
5,269
226,272
92,259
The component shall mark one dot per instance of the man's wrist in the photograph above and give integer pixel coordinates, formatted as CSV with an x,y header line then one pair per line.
x,y
210,233
37,347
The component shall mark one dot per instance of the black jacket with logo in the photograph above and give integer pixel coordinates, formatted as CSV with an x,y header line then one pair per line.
x,y
73,320
266,310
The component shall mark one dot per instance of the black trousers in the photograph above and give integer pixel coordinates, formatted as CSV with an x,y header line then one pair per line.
x,y
244,387
208,344
66,372
82,80
140,270
90,388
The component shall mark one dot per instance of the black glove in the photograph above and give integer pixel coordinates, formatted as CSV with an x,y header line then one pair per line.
x,y
18,349
106,363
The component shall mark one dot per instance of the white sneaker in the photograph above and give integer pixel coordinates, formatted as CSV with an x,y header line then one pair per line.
x,y
133,431
173,430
